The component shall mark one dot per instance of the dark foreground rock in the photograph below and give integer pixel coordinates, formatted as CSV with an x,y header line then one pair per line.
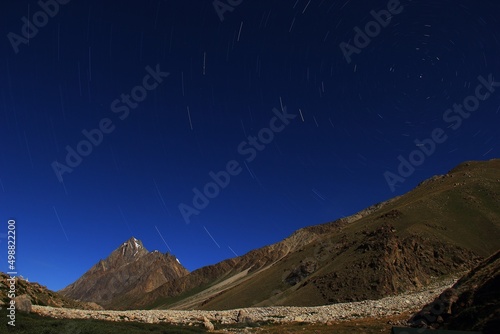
x,y
473,303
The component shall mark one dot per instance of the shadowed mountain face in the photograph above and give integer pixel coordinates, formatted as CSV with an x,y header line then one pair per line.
x,y
128,269
444,226
473,303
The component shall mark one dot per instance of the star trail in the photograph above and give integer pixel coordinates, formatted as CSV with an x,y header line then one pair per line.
x,y
121,119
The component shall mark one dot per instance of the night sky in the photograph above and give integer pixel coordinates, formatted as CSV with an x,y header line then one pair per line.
x,y
299,117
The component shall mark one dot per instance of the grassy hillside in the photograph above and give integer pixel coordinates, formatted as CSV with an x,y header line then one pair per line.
x,y
444,226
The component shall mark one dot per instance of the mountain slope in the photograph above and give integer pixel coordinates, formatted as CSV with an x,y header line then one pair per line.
x,y
128,269
439,228
442,227
40,295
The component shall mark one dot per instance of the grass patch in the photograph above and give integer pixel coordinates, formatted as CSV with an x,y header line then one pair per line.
x,y
365,326
35,324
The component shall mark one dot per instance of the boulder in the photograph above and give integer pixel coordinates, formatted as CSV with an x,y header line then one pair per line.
x,y
208,325
23,303
243,317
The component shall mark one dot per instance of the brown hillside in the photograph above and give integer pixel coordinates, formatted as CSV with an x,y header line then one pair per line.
x,y
442,227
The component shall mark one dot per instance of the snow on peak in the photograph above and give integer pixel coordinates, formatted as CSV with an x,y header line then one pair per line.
x,y
176,259
133,243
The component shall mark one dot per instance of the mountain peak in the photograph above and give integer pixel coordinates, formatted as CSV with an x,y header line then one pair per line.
x,y
132,240
130,268
131,248
135,242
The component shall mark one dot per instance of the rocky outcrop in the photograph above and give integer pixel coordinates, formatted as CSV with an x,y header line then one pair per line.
x,y
381,262
38,294
306,268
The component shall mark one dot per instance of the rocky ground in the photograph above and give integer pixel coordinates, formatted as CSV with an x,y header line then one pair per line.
x,y
279,315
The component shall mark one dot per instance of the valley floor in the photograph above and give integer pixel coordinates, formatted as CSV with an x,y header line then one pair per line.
x,y
288,319
362,326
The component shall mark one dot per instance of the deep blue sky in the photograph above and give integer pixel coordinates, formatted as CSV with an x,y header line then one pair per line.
x,y
329,162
